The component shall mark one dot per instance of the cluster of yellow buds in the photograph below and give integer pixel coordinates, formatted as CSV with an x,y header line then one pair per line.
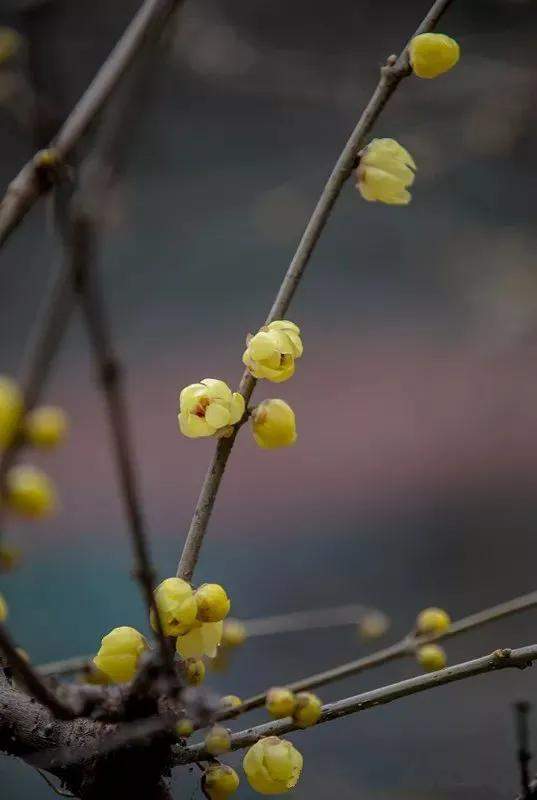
x,y
10,557
119,654
230,701
272,766
28,490
386,170
194,618
210,408
11,43
304,707
432,622
3,609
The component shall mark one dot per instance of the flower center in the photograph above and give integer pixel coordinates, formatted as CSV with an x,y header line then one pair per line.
x,y
201,408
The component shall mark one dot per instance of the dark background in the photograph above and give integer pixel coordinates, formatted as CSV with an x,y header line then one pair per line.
x,y
413,481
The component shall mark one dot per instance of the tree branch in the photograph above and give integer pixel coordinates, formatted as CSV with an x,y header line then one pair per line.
x,y
391,76
500,659
404,648
31,679
29,184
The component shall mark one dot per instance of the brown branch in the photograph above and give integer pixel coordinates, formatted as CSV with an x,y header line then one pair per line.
x,y
500,659
402,649
91,301
33,682
391,76
30,183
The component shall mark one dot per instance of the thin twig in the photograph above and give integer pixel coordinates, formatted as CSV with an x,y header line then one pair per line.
x,y
500,659
391,76
523,751
109,371
262,626
33,682
29,184
404,648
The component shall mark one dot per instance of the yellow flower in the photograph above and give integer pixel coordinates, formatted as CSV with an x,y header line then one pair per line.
x,y
202,640
30,492
218,740
213,602
280,702
120,653
273,424
177,607
431,657
272,766
433,621
184,728
385,171
46,426
432,54
308,709
373,624
209,408
230,701
194,671
3,609
234,633
219,781
10,409
272,351
10,44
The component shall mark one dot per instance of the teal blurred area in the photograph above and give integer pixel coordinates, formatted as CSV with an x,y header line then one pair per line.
x,y
413,479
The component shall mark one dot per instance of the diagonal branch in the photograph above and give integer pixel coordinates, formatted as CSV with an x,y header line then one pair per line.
x,y
390,77
91,301
29,184
500,659
33,682
406,647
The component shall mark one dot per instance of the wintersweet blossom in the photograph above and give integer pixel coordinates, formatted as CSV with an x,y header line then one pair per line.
x,y
271,353
385,171
209,408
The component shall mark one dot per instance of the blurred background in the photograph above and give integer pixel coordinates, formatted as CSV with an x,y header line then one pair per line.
x,y
413,481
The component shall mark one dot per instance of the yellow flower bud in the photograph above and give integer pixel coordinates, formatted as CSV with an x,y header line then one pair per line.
x,y
218,740
184,728
213,602
272,351
3,609
308,709
431,657
220,781
209,408
194,671
230,701
203,640
273,424
120,653
280,702
432,54
30,492
10,557
373,624
176,605
46,426
234,633
384,172
272,766
10,409
432,621
10,44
